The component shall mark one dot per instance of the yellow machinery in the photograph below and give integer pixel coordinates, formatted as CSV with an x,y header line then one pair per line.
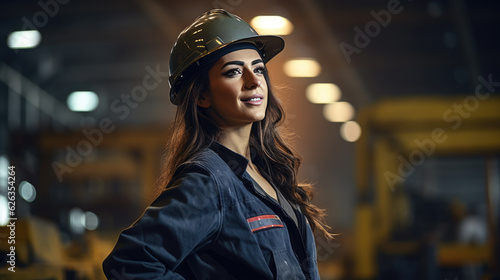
x,y
398,136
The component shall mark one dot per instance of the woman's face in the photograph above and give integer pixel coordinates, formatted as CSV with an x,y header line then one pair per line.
x,y
238,89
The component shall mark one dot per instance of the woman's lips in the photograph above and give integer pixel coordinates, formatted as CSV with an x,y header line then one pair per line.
x,y
254,100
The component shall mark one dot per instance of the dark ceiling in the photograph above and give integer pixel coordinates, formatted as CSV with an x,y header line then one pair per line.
x,y
435,48
425,47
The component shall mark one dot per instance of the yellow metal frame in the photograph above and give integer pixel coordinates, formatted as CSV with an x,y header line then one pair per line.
x,y
391,129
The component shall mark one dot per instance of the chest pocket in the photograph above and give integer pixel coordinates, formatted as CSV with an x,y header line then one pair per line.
x,y
287,267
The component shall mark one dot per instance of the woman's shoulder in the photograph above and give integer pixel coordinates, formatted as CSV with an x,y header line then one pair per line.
x,y
204,161
203,172
194,174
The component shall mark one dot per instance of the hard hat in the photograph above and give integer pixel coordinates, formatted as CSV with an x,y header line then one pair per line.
x,y
210,32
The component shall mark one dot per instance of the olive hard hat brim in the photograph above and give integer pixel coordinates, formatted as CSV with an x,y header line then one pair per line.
x,y
213,31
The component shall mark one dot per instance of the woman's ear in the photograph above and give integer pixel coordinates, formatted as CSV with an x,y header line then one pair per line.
x,y
203,101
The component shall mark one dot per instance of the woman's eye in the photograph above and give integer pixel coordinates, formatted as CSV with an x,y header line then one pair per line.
x,y
260,70
232,72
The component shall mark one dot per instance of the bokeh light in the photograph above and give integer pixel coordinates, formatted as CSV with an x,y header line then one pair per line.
x,y
272,25
350,131
26,39
338,111
323,93
302,67
83,101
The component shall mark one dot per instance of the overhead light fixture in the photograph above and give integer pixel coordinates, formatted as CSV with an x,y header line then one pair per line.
x,y
90,221
26,39
350,131
323,93
77,220
4,173
27,191
83,101
338,111
271,25
4,213
302,67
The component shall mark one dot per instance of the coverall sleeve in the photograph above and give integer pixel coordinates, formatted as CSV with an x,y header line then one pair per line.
x,y
184,218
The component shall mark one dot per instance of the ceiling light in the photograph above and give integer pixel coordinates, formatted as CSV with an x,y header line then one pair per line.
x,y
271,25
322,93
24,39
83,101
27,191
77,220
350,131
91,221
338,112
4,173
302,67
4,213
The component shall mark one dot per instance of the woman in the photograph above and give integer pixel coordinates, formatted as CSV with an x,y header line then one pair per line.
x,y
231,208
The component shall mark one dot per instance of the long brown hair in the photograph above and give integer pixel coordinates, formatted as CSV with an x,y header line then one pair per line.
x,y
193,130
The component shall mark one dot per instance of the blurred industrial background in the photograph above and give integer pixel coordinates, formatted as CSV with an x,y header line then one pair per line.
x,y
395,106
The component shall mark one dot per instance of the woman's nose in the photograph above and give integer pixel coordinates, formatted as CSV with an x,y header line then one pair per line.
x,y
252,81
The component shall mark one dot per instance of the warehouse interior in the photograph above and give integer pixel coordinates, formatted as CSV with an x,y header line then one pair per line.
x,y
396,117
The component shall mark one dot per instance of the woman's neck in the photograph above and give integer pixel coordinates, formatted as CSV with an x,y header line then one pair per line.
x,y
237,139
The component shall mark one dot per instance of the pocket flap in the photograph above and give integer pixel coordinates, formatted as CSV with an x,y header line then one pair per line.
x,y
263,222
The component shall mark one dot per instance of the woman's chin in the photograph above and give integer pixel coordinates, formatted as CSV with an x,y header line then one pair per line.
x,y
260,117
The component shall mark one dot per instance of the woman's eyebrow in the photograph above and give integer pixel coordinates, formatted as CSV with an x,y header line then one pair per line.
x,y
241,63
257,61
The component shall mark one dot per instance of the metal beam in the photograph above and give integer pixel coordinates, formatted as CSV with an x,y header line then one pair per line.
x,y
39,98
